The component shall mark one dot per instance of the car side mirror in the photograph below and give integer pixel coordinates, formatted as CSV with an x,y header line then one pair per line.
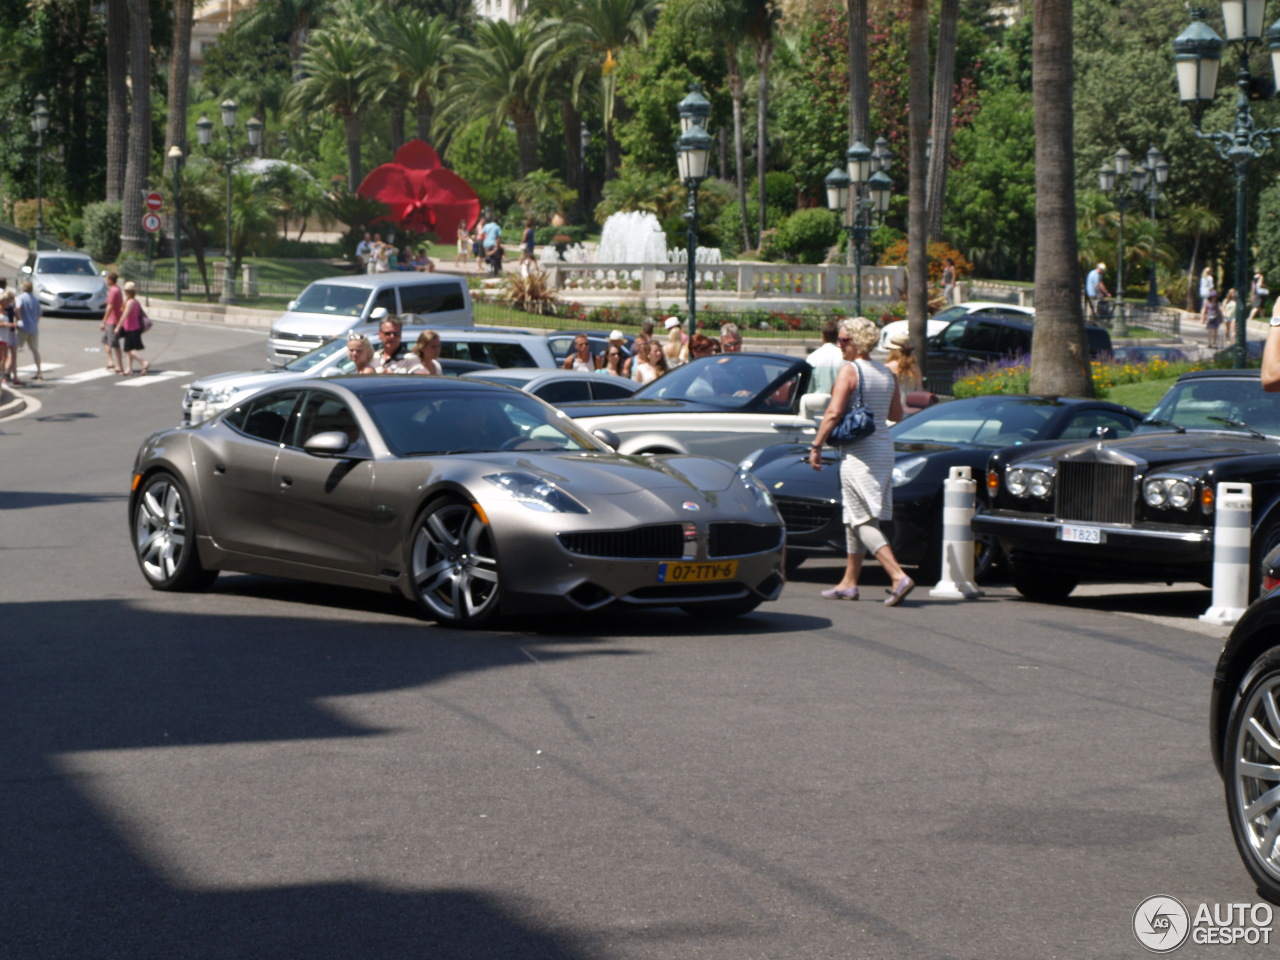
x,y
607,437
331,443
26,268
292,305
378,314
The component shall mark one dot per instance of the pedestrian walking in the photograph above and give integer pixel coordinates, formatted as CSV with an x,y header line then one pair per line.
x,y
866,466
27,311
132,324
8,339
110,325
948,280
1258,294
464,244
1230,307
1211,317
1097,294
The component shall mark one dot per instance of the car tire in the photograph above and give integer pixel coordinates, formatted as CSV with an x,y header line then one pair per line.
x,y
454,565
1038,584
1250,771
723,608
164,536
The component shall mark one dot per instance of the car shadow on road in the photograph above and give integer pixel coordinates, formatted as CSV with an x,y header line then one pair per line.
x,y
79,882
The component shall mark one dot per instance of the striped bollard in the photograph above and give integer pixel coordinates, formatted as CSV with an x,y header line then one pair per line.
x,y
1231,535
957,537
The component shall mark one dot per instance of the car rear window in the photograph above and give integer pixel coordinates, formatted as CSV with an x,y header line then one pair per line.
x,y
496,353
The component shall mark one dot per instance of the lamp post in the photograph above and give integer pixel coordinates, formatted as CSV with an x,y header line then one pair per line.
x,y
40,123
175,158
204,130
845,193
1122,183
693,154
1197,58
1157,177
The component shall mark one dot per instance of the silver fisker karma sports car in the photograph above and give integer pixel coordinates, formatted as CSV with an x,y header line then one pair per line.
x,y
473,499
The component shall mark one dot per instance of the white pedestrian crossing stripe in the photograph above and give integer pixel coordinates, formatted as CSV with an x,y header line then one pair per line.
x,y
155,376
97,373
84,375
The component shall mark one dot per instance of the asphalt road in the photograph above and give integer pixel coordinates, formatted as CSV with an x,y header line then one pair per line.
x,y
273,770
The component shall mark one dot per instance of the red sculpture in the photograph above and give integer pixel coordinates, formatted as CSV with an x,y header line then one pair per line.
x,y
422,194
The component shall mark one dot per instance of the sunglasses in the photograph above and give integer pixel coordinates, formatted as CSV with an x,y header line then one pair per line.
x,y
843,340
357,338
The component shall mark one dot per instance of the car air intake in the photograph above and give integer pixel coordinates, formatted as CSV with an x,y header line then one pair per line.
x,y
803,516
1094,492
739,539
664,541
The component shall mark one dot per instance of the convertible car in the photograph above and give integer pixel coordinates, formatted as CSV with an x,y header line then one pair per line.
x,y
473,499
961,433
719,406
1140,508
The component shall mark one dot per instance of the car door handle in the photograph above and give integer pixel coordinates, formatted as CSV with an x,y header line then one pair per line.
x,y
286,481
219,468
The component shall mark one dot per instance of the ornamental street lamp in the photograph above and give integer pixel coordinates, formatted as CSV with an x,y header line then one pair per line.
x,y
1122,183
858,195
204,130
40,123
175,157
1157,177
1197,57
693,155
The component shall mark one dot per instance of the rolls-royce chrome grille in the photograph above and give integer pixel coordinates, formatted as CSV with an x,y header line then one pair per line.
x,y
664,541
1095,492
803,516
739,539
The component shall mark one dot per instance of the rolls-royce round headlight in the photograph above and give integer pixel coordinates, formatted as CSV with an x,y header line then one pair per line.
x,y
1039,484
1016,482
1161,492
1154,492
1180,493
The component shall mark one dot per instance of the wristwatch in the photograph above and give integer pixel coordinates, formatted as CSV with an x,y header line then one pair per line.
x,y
1275,321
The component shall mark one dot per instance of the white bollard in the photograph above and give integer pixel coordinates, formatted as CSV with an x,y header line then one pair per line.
x,y
1231,535
957,537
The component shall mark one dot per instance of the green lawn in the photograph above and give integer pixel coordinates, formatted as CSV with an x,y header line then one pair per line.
x,y
1141,396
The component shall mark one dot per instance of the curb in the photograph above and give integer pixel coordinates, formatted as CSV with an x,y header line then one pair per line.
x,y
12,403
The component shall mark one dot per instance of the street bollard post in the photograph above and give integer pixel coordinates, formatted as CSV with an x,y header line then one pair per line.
x,y
958,491
1231,536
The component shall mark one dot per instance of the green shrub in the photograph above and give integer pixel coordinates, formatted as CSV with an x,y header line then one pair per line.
x,y
576,232
102,230
805,236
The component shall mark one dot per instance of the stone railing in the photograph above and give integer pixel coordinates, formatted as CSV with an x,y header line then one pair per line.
x,y
731,280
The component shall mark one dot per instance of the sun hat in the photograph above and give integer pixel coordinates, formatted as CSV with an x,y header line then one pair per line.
x,y
130,286
617,335
671,322
900,339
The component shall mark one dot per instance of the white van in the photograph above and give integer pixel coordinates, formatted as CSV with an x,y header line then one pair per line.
x,y
329,308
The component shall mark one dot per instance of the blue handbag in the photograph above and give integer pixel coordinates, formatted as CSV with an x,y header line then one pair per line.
x,y
858,422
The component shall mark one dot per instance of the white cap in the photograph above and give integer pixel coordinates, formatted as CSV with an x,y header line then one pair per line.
x,y
617,335
671,322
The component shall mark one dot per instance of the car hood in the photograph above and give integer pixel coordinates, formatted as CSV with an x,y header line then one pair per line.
x,y
1162,448
612,475
70,283
249,379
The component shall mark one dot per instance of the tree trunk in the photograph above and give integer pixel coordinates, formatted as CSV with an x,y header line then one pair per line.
x,y
737,91
571,120
764,55
1059,357
526,140
426,110
859,74
180,75
351,129
117,95
944,71
138,162
395,119
917,212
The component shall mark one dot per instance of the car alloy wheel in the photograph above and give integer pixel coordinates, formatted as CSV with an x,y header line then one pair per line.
x,y
454,566
1251,768
164,536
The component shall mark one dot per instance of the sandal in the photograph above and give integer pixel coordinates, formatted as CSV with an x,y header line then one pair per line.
x,y
900,591
145,367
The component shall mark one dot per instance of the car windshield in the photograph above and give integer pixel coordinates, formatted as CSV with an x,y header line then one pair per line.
x,y
66,266
949,314
317,356
1229,403
984,421
332,299
730,380
417,423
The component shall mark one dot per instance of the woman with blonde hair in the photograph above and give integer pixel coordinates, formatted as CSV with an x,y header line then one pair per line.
x,y
677,348
360,350
902,363
866,466
427,349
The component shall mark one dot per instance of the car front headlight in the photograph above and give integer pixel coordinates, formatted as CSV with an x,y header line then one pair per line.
x,y
1175,492
536,493
1029,481
220,395
757,489
749,461
904,471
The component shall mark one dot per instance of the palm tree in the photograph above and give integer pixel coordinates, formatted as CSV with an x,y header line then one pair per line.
x,y
419,54
138,157
117,95
1195,220
917,211
293,17
1060,359
504,76
761,16
944,70
337,65
255,210
180,73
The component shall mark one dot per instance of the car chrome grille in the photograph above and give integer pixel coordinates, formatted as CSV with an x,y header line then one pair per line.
x,y
804,516
1094,492
664,541
300,337
75,296
739,539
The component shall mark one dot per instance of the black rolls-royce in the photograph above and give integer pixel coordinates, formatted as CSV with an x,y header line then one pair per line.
x,y
1140,508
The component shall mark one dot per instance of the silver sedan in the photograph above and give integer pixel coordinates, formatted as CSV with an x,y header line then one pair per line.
x,y
473,499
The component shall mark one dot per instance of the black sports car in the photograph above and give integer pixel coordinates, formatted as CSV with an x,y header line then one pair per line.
x,y
927,445
1140,508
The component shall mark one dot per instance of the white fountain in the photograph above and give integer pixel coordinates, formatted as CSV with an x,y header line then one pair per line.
x,y
632,237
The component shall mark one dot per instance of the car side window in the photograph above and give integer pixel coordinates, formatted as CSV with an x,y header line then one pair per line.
x,y
508,355
386,298
1014,341
1084,423
564,391
605,389
983,337
953,336
264,417
431,298
323,413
